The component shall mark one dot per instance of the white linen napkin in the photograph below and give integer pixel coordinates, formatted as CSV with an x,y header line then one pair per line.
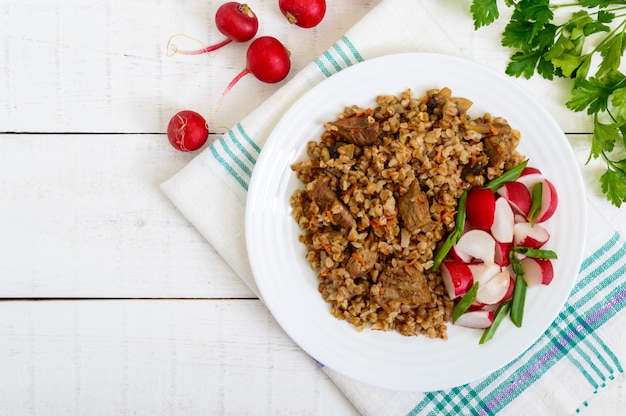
x,y
578,355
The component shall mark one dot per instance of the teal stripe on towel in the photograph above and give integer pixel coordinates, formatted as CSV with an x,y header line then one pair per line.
x,y
234,157
344,49
352,48
232,172
248,139
241,147
332,61
342,54
322,67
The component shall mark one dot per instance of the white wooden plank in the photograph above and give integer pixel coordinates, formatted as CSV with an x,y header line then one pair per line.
x,y
73,66
190,357
83,216
153,357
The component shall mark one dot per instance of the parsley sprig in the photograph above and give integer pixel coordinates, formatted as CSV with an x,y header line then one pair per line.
x,y
588,47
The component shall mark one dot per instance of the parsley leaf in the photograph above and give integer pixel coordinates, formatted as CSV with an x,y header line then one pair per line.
x,y
589,93
613,184
523,64
484,12
595,31
603,139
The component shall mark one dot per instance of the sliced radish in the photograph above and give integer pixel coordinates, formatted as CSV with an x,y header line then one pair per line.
x,y
530,179
457,278
503,221
480,207
454,254
520,218
479,244
501,257
537,271
518,196
527,235
509,292
480,319
528,170
483,273
495,289
549,201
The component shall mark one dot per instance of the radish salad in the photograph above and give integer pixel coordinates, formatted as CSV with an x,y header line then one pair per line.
x,y
497,249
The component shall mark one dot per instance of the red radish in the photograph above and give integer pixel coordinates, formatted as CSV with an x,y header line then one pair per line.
x,y
495,289
457,278
234,20
501,256
518,196
527,235
267,59
503,221
549,201
187,131
480,206
537,271
303,13
480,319
478,244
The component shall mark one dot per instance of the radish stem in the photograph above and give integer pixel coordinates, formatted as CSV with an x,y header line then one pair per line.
x,y
226,91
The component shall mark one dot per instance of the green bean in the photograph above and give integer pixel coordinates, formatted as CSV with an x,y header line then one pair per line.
x,y
444,249
535,205
519,295
535,252
465,302
461,213
501,312
508,176
454,236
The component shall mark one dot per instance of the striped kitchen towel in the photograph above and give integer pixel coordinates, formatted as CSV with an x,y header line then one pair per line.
x,y
581,351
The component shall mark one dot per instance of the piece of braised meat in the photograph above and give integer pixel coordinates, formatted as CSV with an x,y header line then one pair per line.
x,y
358,130
326,199
405,284
414,209
499,149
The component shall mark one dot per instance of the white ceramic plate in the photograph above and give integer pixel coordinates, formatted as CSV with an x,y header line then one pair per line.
x,y
289,286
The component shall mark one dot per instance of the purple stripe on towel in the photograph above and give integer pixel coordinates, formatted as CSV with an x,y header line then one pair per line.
x,y
552,352
520,381
607,306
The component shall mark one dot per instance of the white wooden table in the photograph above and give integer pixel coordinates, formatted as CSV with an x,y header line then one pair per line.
x,y
110,301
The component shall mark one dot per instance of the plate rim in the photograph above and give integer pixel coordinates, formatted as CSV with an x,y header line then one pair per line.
x,y
263,160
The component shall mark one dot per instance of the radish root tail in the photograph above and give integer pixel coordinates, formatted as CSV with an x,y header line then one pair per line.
x,y
172,49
